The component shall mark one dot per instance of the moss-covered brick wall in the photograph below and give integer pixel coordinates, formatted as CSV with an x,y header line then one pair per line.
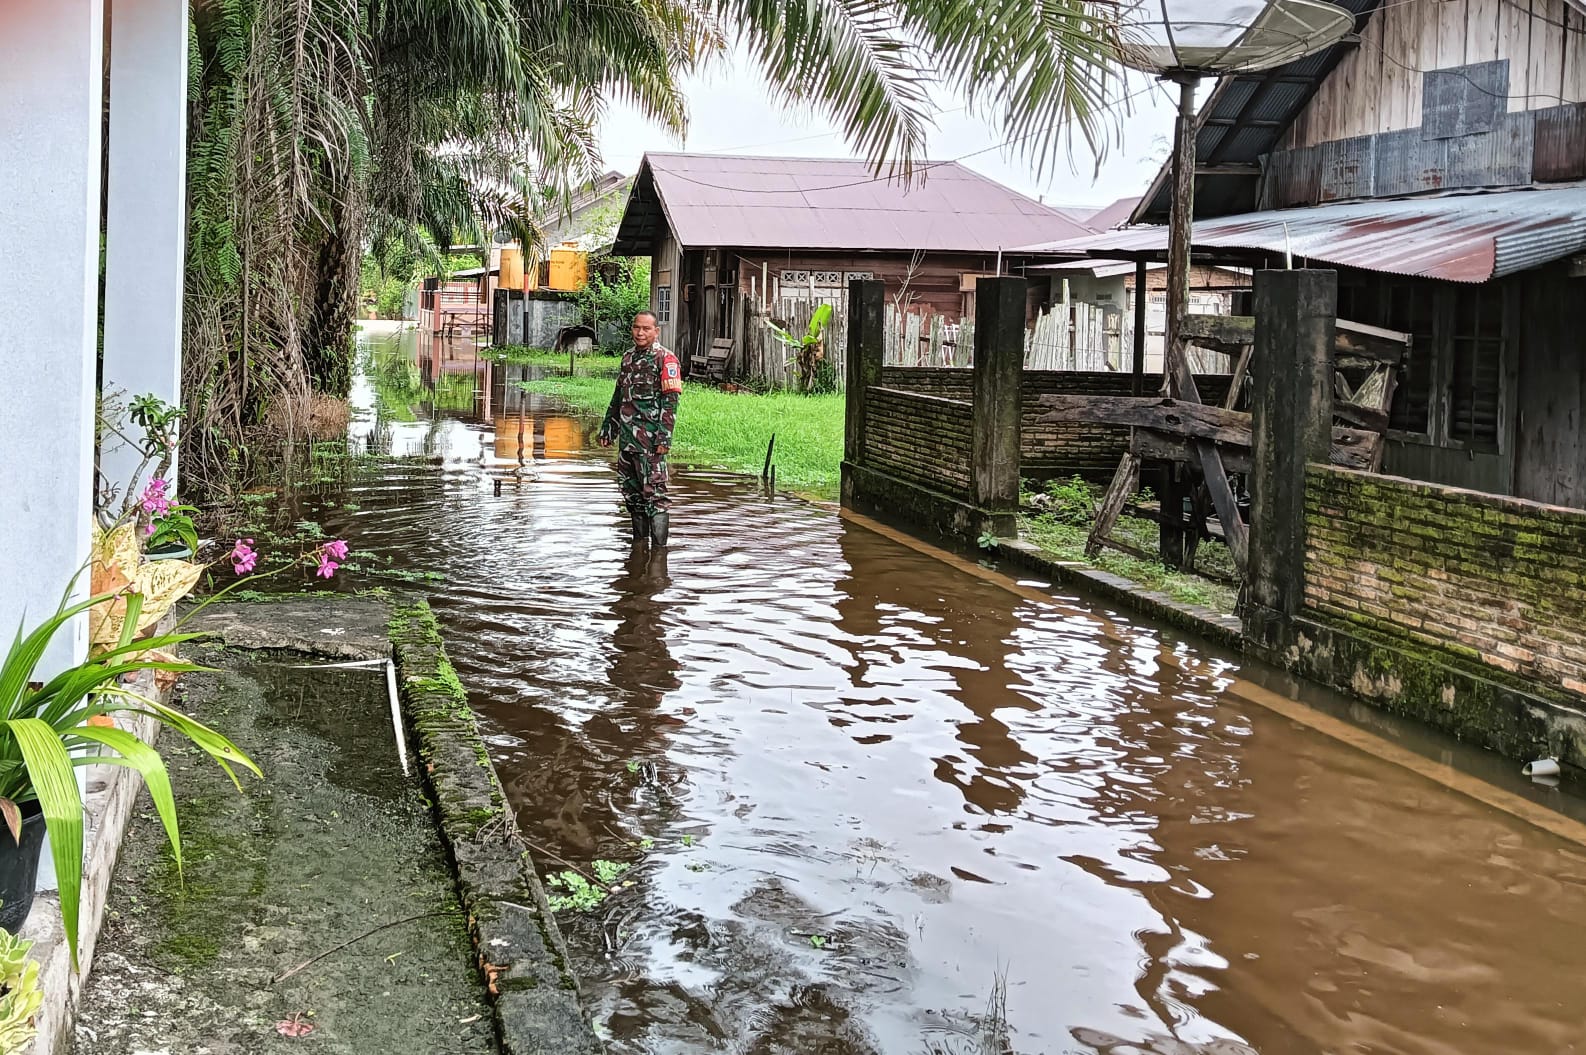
x,y
1484,577
920,439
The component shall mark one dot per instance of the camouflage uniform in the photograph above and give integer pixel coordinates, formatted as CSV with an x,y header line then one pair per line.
x,y
639,421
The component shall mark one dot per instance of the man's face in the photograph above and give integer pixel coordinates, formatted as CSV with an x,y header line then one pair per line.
x,y
643,331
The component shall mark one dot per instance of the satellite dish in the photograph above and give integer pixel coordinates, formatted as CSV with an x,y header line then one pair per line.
x,y
1225,36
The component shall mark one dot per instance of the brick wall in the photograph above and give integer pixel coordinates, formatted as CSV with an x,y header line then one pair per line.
x,y
1046,450
918,438
1484,576
949,382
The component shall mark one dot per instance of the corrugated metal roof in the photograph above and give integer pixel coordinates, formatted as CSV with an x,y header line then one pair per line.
x,y
1459,238
805,203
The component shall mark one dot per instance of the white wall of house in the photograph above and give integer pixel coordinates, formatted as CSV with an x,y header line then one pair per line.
x,y
51,56
146,220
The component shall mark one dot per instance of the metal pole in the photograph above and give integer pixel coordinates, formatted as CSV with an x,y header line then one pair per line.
x,y
1178,249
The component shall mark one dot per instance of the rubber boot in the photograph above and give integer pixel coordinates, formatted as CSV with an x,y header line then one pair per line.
x,y
641,527
658,529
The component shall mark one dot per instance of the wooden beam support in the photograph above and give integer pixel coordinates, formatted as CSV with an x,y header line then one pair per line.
x,y
1371,344
1173,416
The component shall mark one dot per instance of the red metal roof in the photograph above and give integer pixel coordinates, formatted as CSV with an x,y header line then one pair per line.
x,y
804,203
1459,238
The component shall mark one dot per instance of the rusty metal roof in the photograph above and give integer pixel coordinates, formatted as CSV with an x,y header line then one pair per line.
x,y
1458,238
804,203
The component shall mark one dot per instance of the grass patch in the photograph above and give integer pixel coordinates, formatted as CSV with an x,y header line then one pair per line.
x,y
586,365
730,430
1062,526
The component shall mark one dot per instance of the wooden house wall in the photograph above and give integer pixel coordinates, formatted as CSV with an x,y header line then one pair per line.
x,y
1377,87
1550,449
1504,358
933,287
664,271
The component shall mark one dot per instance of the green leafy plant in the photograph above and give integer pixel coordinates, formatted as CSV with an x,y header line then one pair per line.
x,y
809,350
20,994
581,891
986,540
633,765
176,527
817,941
48,727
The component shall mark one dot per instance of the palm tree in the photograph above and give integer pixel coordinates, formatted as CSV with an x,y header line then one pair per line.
x,y
317,121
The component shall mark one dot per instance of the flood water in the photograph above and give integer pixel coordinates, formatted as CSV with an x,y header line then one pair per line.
x,y
879,802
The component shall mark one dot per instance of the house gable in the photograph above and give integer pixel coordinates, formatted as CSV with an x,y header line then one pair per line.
x,y
1405,49
1436,95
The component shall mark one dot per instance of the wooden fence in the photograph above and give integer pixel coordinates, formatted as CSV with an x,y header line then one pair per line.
x,y
1073,336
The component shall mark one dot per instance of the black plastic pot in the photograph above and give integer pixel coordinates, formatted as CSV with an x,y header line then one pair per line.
x,y
19,867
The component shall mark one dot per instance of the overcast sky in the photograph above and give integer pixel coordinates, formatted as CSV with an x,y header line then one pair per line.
x,y
732,113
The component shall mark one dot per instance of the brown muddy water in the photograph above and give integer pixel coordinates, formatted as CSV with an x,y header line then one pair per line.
x,y
876,801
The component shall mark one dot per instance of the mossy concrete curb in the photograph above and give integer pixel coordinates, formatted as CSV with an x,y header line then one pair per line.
x,y
1220,628
520,949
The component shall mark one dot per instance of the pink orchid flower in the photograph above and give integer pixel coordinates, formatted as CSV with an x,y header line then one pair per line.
x,y
243,556
327,567
335,549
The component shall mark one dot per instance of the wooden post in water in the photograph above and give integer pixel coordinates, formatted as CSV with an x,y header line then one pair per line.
x,y
1292,425
998,402
867,303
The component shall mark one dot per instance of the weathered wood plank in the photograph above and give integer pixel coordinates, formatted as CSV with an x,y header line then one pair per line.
x,y
1174,416
1371,343
1125,482
1233,331
1368,418
1241,370
1156,446
1354,453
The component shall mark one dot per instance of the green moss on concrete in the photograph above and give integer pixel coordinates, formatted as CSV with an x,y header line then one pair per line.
x,y
512,928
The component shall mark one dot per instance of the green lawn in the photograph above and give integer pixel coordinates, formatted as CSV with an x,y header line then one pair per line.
x,y
731,430
592,365
1063,526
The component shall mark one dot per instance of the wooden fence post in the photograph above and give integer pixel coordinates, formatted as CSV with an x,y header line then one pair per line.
x,y
998,401
866,346
1292,412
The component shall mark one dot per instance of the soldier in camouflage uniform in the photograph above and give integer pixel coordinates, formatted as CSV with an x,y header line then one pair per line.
x,y
639,421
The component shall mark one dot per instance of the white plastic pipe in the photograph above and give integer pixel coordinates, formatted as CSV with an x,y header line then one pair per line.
x,y
396,715
1542,767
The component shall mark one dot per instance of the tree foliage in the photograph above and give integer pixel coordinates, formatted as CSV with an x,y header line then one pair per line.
x,y
321,128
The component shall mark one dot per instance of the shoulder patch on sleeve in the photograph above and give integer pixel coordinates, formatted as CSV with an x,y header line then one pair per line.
x,y
671,374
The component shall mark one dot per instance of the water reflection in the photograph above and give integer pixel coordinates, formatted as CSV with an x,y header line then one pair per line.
x,y
796,728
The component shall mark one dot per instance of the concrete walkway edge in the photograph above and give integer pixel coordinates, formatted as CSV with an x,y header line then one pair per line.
x,y
520,950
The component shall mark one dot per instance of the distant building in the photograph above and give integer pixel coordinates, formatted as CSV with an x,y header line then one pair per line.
x,y
723,231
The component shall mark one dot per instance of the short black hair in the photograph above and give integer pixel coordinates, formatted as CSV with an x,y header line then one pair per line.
x,y
653,317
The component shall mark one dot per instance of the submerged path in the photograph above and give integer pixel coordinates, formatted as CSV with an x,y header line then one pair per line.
x,y
335,846
875,801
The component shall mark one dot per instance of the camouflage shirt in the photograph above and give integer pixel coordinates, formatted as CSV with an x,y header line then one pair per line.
x,y
643,406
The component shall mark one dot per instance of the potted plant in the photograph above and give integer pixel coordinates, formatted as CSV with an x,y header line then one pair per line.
x,y
20,994
47,728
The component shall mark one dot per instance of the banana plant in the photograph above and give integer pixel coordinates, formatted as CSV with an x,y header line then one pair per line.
x,y
807,350
46,728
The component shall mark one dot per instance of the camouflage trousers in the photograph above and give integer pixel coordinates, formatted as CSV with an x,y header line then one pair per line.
x,y
641,475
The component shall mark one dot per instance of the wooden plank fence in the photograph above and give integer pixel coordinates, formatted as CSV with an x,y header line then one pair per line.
x,y
1072,336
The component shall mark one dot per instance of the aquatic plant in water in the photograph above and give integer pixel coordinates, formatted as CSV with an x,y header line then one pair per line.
x,y
583,892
